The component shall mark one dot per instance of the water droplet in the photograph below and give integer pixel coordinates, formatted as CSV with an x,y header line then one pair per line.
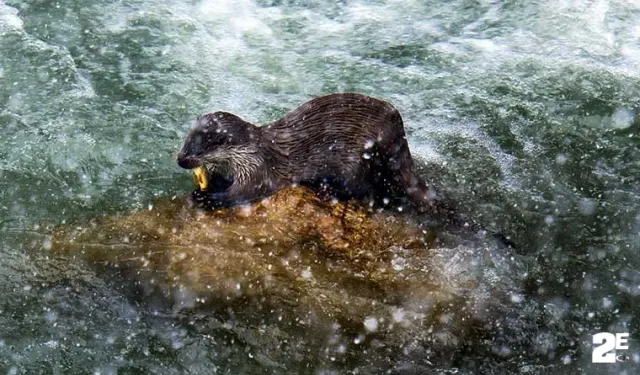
x,y
587,206
398,315
366,155
371,324
622,118
51,316
47,244
516,298
398,263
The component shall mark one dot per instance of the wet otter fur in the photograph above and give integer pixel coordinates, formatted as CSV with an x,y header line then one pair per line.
x,y
347,146
350,145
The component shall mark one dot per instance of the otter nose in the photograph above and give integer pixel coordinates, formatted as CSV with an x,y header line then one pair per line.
x,y
189,162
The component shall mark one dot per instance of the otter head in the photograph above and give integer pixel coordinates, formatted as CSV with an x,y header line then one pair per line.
x,y
217,148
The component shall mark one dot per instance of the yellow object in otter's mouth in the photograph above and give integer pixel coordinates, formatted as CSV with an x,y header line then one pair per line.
x,y
200,177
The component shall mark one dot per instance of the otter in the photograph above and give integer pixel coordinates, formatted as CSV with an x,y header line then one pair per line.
x,y
347,146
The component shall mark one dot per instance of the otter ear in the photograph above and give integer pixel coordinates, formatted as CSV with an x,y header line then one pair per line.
x,y
205,122
222,120
229,120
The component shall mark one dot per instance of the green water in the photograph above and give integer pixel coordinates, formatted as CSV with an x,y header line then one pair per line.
x,y
526,114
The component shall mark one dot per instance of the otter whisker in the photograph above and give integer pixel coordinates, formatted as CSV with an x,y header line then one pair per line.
x,y
240,164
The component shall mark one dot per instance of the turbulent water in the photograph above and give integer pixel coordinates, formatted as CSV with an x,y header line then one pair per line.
x,y
526,114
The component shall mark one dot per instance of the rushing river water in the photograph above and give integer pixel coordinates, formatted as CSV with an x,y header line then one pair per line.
x,y
526,114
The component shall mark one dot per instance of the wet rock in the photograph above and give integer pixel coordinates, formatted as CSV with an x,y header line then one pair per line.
x,y
333,277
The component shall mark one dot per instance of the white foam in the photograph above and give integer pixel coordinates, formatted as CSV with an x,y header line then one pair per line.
x,y
9,19
622,118
359,12
237,16
371,324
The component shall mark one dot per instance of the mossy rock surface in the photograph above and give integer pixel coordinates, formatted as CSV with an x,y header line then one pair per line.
x,y
293,262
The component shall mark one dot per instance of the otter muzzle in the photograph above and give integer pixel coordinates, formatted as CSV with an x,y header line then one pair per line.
x,y
189,162
201,178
